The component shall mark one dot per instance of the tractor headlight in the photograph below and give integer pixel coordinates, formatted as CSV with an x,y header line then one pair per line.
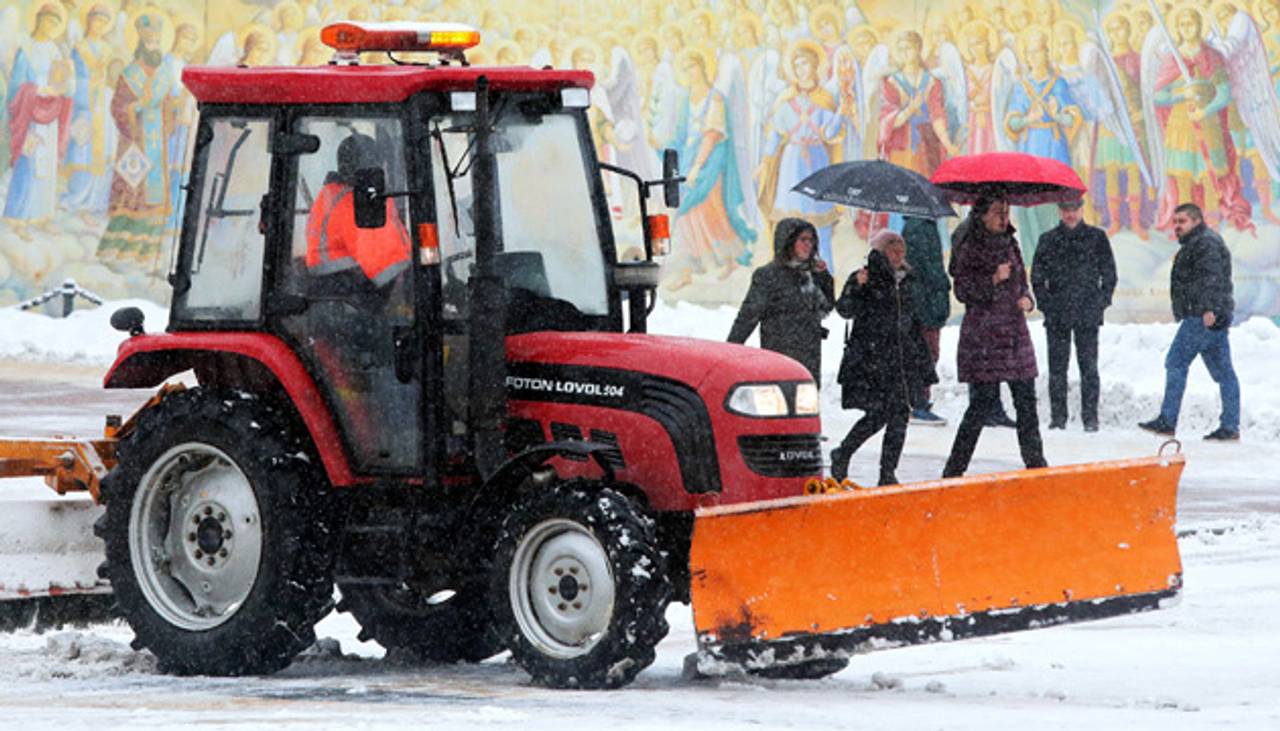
x,y
758,400
807,399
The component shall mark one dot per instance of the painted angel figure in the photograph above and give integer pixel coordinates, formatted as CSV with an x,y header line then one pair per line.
x,y
731,82
1257,135
1120,150
946,64
914,129
1186,101
710,234
1043,118
1107,143
990,71
804,135
630,148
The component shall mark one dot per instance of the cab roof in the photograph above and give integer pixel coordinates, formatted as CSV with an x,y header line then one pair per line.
x,y
363,84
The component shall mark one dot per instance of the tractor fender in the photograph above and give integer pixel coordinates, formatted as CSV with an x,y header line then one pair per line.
x,y
494,498
146,361
514,470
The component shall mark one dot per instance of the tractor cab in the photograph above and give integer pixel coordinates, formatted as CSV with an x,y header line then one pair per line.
x,y
381,218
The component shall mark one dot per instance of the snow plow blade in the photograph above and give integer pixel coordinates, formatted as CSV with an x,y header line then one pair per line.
x,y
48,553
810,580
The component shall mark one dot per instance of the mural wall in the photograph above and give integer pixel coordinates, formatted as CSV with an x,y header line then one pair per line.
x,y
1153,103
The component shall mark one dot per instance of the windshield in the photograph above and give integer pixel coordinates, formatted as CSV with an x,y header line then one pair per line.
x,y
550,241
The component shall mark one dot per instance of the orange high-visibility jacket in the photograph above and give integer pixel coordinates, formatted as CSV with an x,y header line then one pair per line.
x,y
334,243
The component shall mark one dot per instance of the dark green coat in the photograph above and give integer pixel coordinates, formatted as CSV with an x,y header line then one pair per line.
x,y
932,286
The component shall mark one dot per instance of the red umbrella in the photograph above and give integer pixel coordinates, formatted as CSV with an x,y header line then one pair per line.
x,y
1025,180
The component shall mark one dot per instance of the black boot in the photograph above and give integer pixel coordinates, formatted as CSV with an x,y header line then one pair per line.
x,y
840,463
888,478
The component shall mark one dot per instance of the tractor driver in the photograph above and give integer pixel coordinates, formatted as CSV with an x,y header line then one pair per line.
x,y
334,243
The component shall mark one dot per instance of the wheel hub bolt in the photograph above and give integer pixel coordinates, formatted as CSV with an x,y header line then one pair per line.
x,y
191,537
199,553
568,588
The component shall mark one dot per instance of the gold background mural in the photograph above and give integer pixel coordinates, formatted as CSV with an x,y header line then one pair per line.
x,y
756,94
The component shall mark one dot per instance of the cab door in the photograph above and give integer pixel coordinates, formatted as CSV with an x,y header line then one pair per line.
x,y
345,296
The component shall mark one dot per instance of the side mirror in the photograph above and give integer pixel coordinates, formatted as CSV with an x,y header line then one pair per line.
x,y
128,319
671,178
367,191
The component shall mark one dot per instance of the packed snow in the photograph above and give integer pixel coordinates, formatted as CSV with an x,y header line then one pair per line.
x,y
1210,661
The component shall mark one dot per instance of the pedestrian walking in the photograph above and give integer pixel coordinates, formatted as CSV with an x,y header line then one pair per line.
x,y
788,298
995,345
1201,293
1073,276
931,297
886,361
996,415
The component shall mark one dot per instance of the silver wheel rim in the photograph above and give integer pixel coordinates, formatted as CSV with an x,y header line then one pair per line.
x,y
562,588
195,536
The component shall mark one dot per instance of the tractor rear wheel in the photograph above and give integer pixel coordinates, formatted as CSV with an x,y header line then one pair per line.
x,y
218,535
579,586
446,628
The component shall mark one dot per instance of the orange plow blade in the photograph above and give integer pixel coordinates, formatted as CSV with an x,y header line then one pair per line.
x,y
790,582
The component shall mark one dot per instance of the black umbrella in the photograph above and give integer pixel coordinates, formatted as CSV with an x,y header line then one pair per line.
x,y
877,185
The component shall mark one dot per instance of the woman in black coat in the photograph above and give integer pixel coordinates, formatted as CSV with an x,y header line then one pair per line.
x,y
788,298
886,360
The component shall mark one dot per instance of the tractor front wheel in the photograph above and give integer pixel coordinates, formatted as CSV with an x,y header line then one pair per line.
x,y
579,586
218,535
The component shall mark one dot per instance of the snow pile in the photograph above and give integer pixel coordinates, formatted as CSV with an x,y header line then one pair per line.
x,y
82,655
86,337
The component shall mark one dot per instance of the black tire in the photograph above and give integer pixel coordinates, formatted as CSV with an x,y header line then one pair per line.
x,y
238,469
580,530
410,627
810,670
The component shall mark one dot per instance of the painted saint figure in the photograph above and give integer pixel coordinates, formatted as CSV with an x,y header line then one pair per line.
x,y
39,122
140,190
91,150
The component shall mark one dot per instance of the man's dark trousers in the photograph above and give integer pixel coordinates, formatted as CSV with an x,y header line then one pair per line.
x,y
1059,338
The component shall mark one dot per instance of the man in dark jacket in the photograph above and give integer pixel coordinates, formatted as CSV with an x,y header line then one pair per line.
x,y
788,298
932,299
995,345
1200,288
1073,276
886,362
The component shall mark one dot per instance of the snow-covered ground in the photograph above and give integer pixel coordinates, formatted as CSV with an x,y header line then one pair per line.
x,y
1211,661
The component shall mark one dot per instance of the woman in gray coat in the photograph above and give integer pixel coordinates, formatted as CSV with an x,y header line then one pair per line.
x,y
788,298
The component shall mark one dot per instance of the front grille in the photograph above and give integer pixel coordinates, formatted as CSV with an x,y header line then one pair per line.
x,y
612,456
782,455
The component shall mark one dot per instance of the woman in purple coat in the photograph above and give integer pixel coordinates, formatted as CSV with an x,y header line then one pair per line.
x,y
995,345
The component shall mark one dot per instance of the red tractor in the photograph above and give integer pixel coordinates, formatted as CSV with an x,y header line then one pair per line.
x,y
423,375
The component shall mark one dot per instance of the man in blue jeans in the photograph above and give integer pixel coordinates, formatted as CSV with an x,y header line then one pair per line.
x,y
1200,288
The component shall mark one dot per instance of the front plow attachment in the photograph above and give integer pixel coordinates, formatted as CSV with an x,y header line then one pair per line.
x,y
810,579
48,553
